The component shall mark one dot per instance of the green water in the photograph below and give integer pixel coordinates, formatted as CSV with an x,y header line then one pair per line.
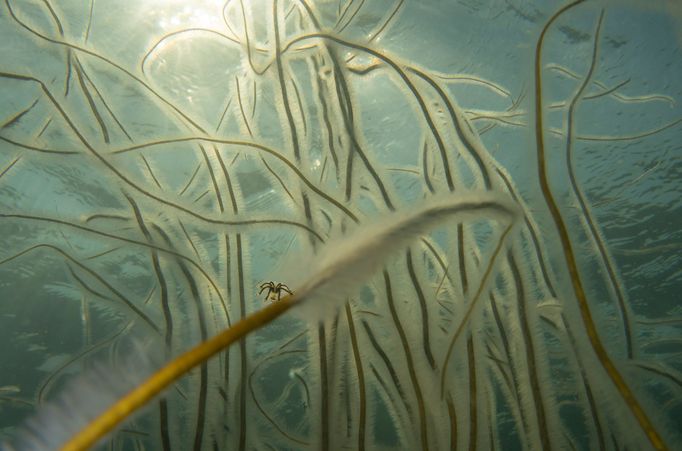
x,y
160,160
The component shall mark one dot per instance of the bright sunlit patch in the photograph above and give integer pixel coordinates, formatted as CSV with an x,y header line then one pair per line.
x,y
180,13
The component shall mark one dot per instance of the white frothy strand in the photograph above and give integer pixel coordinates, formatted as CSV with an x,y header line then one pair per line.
x,y
343,266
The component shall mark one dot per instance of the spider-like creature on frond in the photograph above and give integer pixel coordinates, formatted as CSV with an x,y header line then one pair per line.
x,y
274,290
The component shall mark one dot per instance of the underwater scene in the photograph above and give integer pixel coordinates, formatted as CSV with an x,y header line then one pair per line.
x,y
425,225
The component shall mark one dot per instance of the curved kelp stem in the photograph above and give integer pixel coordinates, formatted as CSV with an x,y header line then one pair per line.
x,y
569,255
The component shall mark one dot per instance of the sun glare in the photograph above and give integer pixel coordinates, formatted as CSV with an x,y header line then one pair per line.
x,y
183,13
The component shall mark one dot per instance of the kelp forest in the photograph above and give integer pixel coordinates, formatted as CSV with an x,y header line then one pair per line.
x,y
170,168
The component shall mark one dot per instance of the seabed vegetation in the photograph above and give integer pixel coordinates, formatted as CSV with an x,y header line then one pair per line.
x,y
159,181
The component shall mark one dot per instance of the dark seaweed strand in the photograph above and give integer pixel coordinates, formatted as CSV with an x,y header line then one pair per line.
x,y
439,259
54,17
388,20
228,252
346,104
216,188
423,309
339,377
100,254
241,106
344,381
473,395
361,378
17,117
461,258
493,351
203,369
662,371
421,408
106,216
163,402
132,184
87,287
389,366
308,215
229,287
279,179
279,65
94,274
333,377
228,180
607,91
425,168
243,368
300,105
39,149
9,166
532,229
222,116
42,130
305,388
343,98
87,30
508,354
201,196
324,389
531,358
151,172
203,332
322,98
101,98
191,179
384,385
580,196
254,94
91,101
69,72
338,29
472,303
324,168
585,313
594,412
452,416
189,238
493,431
228,269
458,123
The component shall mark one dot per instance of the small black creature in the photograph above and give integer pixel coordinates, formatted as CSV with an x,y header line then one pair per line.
x,y
274,290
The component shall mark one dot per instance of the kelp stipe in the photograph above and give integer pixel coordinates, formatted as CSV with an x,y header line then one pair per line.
x,y
339,274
